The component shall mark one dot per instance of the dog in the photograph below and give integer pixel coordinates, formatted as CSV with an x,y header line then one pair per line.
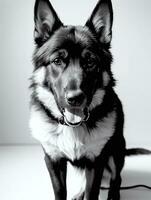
x,y
75,113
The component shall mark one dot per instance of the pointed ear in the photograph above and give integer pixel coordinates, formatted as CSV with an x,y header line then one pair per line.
x,y
101,21
46,21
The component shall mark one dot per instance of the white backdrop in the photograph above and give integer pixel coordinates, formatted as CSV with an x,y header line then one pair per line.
x,y
131,47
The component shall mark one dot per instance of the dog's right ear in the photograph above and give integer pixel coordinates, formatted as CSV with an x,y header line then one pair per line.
x,y
46,21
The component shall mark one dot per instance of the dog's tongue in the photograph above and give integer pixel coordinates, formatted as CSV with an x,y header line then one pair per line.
x,y
74,116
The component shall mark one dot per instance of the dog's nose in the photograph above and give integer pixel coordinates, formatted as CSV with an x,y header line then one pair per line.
x,y
75,97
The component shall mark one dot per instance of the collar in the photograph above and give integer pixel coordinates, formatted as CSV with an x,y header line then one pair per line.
x,y
62,120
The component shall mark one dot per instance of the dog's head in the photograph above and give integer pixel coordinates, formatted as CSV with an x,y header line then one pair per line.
x,y
76,59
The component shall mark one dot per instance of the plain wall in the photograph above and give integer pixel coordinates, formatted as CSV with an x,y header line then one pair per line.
x,y
131,47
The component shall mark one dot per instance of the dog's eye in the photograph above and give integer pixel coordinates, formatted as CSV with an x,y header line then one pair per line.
x,y
90,62
58,61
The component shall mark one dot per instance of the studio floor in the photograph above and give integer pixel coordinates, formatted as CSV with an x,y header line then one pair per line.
x,y
23,175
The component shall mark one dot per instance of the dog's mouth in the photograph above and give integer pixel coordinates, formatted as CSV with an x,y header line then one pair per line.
x,y
74,117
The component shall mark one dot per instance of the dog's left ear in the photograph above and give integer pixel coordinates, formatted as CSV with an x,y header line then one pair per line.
x,y
101,21
46,21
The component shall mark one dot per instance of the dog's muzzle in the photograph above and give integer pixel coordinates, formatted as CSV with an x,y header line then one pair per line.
x,y
75,97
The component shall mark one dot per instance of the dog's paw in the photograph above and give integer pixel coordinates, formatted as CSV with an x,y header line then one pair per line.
x,y
79,196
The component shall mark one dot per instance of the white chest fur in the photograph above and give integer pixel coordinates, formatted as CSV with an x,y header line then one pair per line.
x,y
60,140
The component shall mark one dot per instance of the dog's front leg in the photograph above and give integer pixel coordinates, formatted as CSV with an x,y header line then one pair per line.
x,y
93,181
57,171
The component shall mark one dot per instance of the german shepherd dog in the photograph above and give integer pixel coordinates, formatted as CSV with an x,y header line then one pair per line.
x,y
75,113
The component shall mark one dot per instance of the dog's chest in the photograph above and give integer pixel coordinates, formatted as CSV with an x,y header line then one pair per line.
x,y
79,142
73,143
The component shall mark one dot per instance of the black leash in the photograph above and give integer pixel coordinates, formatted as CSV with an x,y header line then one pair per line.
x,y
129,187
